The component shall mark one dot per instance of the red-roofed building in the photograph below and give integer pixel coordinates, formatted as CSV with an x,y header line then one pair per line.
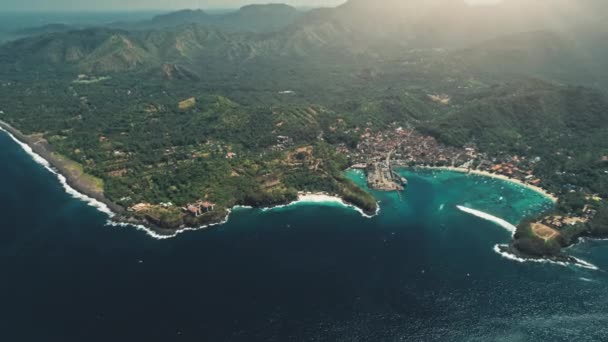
x,y
200,207
207,206
195,210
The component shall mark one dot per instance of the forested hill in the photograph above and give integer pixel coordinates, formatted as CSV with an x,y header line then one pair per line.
x,y
557,40
251,18
184,93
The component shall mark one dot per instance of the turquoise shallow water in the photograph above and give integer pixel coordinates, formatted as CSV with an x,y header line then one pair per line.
x,y
420,271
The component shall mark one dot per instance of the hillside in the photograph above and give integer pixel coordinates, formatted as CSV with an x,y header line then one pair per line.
x,y
252,106
251,18
499,39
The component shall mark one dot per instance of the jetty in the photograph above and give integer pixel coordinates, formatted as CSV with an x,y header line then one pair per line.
x,y
380,176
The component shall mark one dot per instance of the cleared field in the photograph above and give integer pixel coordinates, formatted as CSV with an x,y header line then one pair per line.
x,y
544,232
187,104
76,172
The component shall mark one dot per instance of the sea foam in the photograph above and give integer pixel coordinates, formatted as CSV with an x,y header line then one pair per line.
x,y
508,226
319,199
322,199
102,207
500,249
155,235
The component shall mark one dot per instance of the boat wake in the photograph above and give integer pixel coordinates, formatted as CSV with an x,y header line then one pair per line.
x,y
506,225
503,249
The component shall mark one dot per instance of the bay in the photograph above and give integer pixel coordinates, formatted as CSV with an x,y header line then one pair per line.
x,y
422,270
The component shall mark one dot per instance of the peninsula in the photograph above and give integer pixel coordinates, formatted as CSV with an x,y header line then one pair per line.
x,y
172,122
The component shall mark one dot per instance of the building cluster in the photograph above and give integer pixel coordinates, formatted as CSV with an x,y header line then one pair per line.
x,y
141,207
380,176
283,143
411,148
199,208
559,222
515,167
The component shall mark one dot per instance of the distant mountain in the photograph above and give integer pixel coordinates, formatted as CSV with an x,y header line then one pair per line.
x,y
454,23
259,18
252,18
179,18
9,35
531,53
49,28
560,41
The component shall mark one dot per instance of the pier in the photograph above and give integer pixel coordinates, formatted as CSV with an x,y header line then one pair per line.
x,y
380,176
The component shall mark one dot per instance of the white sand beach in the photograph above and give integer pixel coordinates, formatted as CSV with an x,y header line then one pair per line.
x,y
537,189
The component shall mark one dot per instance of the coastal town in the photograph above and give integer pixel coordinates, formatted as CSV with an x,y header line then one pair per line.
x,y
401,147
378,152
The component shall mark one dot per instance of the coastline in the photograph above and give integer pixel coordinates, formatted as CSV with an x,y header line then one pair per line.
x,y
534,188
319,198
509,253
324,198
42,154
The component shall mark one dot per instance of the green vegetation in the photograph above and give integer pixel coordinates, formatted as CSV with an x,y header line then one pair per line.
x,y
181,108
599,225
530,244
77,172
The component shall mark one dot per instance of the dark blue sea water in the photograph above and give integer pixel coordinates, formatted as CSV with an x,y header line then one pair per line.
x,y
421,271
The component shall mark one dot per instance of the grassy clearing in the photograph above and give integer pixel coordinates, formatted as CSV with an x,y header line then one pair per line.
x,y
187,104
91,80
544,232
76,172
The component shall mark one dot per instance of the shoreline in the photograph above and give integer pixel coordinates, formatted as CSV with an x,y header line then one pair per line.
x,y
42,154
534,188
325,198
507,252
318,198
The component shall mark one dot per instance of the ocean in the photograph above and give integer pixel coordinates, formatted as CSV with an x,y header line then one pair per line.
x,y
422,270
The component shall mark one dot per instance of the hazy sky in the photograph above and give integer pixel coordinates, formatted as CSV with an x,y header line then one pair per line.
x,y
96,5
47,5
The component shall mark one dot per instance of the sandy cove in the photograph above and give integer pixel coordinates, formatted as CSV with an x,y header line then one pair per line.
x,y
42,153
326,198
534,188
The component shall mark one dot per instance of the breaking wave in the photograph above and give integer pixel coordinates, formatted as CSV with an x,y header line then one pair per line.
x,y
102,207
500,249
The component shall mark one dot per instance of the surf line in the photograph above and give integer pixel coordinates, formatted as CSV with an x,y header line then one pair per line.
x,y
508,226
578,262
102,207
